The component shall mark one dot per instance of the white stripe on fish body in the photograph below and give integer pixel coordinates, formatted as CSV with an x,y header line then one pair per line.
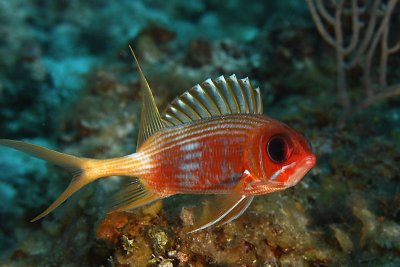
x,y
193,156
189,162
189,147
179,140
189,167
159,148
186,177
229,123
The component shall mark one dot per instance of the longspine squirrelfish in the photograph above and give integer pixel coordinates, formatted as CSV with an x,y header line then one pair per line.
x,y
213,139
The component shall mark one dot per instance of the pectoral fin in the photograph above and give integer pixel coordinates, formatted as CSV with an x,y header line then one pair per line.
x,y
235,213
226,209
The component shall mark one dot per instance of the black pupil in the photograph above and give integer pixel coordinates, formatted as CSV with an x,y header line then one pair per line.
x,y
277,149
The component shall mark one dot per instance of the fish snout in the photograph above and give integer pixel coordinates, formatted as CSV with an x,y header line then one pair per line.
x,y
301,169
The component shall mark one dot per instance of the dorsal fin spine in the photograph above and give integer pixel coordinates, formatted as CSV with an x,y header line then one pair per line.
x,y
181,116
191,110
232,94
259,101
171,119
244,97
201,104
242,84
187,117
222,96
246,81
236,88
210,100
190,100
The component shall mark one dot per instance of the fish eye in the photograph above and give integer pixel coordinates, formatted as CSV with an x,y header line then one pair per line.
x,y
278,149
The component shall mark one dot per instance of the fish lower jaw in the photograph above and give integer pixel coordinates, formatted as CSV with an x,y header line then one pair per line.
x,y
304,167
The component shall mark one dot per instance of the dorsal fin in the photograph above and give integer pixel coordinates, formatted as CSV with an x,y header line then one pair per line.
x,y
150,119
217,97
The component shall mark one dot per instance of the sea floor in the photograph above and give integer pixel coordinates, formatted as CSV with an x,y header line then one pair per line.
x,y
68,82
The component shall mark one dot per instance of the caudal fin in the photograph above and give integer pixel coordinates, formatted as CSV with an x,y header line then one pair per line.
x,y
83,170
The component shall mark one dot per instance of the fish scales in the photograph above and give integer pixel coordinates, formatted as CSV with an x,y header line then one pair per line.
x,y
213,139
219,145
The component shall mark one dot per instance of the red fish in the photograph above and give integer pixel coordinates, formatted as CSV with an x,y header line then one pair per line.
x,y
213,139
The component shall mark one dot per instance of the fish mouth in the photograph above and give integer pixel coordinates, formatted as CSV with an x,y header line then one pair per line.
x,y
302,168
309,161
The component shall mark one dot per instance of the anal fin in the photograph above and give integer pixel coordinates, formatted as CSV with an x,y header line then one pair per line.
x,y
133,196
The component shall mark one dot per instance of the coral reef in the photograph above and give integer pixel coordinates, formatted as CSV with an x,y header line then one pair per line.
x,y
67,82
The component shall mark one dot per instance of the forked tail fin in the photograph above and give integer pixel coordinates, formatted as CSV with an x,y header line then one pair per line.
x,y
84,170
